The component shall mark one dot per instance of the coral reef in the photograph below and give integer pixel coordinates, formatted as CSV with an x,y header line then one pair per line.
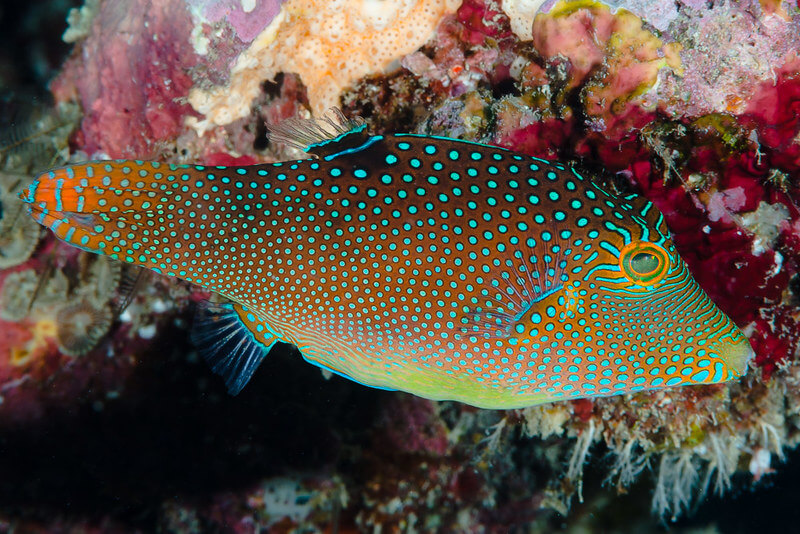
x,y
57,304
328,44
695,106
29,137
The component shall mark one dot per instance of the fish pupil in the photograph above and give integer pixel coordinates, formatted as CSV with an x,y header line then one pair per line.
x,y
644,263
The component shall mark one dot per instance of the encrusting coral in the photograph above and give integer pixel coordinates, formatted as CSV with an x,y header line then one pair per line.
x,y
329,45
80,326
19,234
30,136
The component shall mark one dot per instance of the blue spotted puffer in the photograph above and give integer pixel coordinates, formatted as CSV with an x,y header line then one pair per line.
x,y
448,269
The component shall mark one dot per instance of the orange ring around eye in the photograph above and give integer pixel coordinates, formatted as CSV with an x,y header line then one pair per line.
x,y
650,266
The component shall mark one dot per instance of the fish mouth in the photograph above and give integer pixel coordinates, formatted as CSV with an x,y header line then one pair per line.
x,y
737,357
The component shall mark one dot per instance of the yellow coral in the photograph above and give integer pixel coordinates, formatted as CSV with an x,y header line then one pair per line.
x,y
43,332
329,44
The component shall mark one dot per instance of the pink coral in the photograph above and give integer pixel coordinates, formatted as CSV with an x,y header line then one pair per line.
x,y
775,337
247,23
728,50
222,158
130,75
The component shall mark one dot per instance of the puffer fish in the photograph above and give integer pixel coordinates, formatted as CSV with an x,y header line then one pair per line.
x,y
444,268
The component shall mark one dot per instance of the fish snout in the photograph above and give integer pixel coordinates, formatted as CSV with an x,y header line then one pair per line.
x,y
27,194
737,356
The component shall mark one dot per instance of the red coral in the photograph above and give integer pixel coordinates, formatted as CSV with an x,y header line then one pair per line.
x,y
775,337
482,19
543,138
614,138
775,107
719,254
222,158
583,409
467,485
740,172
790,237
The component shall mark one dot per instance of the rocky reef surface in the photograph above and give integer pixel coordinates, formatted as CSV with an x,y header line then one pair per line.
x,y
109,421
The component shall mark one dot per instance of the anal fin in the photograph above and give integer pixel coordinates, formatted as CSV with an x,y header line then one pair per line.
x,y
233,342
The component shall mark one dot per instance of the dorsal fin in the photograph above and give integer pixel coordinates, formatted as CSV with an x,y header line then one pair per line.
x,y
329,136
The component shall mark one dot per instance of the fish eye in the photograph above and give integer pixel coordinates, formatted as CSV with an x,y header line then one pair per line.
x,y
644,263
